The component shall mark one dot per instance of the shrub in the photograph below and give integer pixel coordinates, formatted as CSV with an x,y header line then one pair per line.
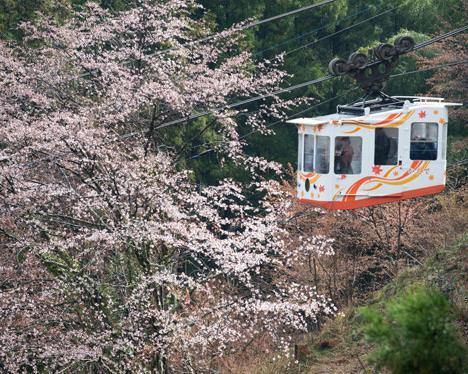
x,y
414,334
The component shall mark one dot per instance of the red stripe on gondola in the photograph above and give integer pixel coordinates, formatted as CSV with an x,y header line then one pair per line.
x,y
370,201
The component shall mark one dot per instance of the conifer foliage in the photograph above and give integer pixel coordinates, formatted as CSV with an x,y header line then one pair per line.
x,y
415,334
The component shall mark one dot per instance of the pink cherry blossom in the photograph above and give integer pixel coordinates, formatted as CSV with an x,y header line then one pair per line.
x,y
112,259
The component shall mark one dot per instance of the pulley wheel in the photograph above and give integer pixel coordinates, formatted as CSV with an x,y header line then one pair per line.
x,y
404,43
338,66
384,51
357,59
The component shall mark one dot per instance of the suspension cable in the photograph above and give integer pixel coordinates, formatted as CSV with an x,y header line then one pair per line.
x,y
238,29
249,25
300,36
247,101
305,84
440,37
133,134
452,63
286,14
448,64
269,125
341,31
308,83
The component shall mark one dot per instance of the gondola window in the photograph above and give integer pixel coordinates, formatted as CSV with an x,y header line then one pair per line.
x,y
300,147
322,162
386,147
309,153
424,137
348,155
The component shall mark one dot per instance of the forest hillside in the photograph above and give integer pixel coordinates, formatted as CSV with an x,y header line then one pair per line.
x,y
149,211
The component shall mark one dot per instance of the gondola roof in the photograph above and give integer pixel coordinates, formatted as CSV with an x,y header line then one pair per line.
x,y
377,114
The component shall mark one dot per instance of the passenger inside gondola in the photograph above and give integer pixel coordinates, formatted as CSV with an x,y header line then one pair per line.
x,y
386,146
343,156
424,141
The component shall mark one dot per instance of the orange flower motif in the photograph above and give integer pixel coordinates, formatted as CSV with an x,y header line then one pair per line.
x,y
442,121
321,188
337,186
431,177
343,176
436,112
422,114
395,173
376,169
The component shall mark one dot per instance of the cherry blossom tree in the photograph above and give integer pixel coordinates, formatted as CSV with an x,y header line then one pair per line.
x,y
111,258
450,81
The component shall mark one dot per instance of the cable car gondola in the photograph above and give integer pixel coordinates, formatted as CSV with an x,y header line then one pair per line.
x,y
374,151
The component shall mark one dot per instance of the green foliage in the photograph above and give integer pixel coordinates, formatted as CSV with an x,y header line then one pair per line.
x,y
457,156
414,334
13,12
420,19
60,264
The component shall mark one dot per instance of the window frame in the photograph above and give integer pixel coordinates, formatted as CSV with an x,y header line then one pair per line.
x,y
327,137
444,141
396,153
304,153
335,156
436,142
300,152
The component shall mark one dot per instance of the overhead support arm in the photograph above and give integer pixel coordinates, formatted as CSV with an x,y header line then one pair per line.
x,y
372,71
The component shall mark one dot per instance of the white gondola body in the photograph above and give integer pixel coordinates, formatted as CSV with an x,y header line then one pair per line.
x,y
413,138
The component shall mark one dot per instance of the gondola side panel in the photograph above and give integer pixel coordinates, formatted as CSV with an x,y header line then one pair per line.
x,y
415,166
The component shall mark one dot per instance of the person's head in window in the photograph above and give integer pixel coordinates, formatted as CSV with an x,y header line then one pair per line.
x,y
345,155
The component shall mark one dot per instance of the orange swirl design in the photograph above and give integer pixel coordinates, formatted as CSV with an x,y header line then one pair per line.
x,y
377,186
415,170
393,120
313,177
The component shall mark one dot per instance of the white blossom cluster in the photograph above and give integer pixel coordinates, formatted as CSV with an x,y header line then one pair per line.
x,y
113,260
